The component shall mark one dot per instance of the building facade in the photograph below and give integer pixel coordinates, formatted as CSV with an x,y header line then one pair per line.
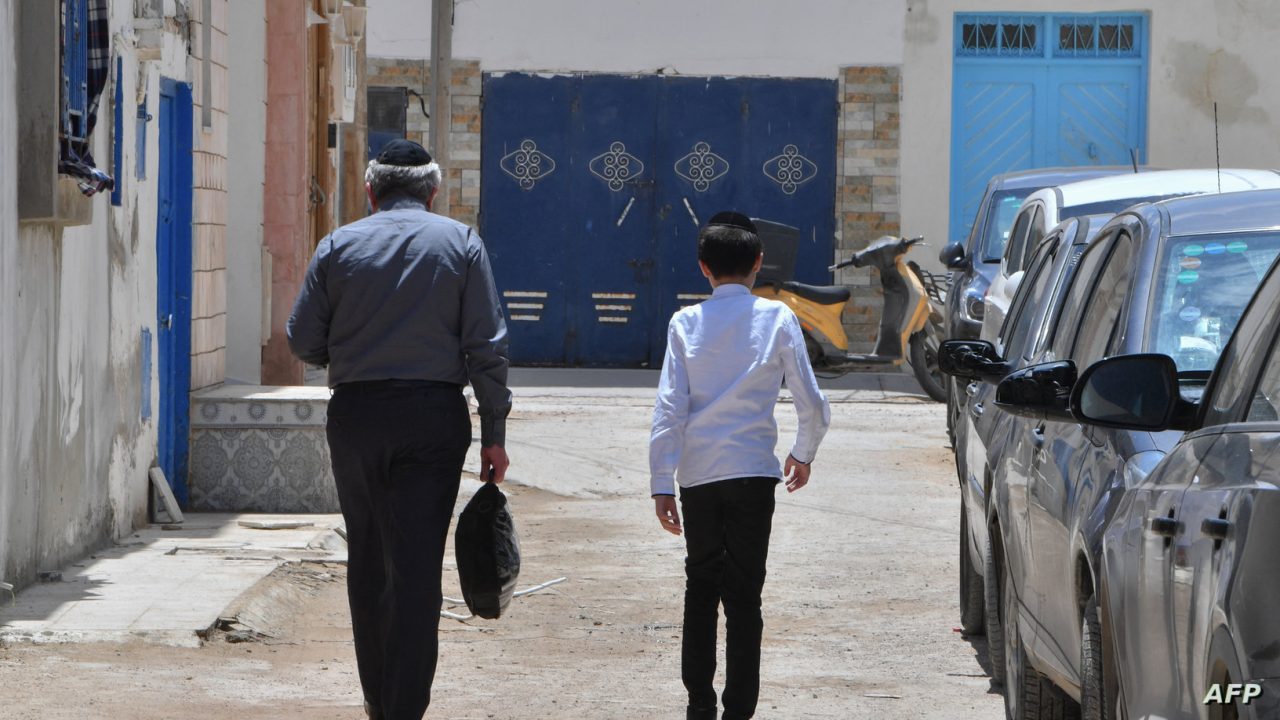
x,y
931,98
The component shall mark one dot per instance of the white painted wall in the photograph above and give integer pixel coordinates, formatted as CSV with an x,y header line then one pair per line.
x,y
801,38
246,158
1222,50
74,451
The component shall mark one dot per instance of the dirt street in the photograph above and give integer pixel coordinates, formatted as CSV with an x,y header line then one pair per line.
x,y
860,604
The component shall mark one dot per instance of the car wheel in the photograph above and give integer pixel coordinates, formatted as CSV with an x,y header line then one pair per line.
x,y
1028,695
1094,703
992,575
972,607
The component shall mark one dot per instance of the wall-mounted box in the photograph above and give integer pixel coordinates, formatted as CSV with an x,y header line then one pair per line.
x,y
44,196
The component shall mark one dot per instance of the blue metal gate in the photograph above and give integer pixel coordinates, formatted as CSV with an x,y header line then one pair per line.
x,y
1043,90
595,186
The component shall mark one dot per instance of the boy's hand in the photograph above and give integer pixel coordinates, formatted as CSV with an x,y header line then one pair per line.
x,y
668,514
797,474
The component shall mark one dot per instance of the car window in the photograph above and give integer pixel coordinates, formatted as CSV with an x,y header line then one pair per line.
x,y
1203,284
1031,296
1035,233
1085,277
1102,310
1000,215
1265,405
1017,242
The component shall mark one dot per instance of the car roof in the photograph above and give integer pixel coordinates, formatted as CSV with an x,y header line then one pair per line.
x,y
1164,183
1229,212
1045,177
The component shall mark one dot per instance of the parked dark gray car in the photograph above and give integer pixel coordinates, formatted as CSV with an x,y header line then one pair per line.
x,y
1187,624
1172,277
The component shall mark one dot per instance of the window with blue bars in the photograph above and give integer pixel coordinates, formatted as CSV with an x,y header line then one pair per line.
x,y
86,60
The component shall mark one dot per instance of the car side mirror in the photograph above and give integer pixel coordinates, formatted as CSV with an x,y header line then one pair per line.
x,y
1132,392
971,360
1042,392
953,257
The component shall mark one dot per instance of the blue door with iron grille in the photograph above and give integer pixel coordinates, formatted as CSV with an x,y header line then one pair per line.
x,y
595,186
1035,91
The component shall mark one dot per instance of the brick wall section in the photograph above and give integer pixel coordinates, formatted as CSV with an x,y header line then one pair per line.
x,y
209,229
867,186
284,220
463,173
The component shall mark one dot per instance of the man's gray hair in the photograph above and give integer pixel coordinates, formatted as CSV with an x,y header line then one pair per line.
x,y
417,181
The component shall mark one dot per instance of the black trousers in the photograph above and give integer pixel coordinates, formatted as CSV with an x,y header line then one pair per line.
x,y
726,527
397,450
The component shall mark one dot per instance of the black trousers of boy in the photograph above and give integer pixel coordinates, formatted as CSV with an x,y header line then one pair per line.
x,y
397,449
726,528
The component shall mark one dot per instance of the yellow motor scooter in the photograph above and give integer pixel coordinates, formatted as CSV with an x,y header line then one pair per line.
x,y
904,322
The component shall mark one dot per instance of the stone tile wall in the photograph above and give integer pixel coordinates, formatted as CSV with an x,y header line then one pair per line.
x,y
867,186
261,449
463,172
209,227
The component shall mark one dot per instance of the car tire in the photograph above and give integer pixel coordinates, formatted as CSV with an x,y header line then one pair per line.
x,y
972,592
994,621
1028,695
1094,703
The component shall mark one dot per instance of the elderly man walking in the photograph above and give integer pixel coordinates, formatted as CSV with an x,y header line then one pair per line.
x,y
402,308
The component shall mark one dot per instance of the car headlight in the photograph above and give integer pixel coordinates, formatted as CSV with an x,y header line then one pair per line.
x,y
1140,466
971,303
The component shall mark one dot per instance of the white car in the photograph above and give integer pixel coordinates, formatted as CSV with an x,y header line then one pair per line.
x,y
1044,209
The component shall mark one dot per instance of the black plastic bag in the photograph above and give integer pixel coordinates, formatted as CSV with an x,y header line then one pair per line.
x,y
488,553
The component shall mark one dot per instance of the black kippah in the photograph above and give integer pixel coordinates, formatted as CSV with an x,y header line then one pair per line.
x,y
403,153
729,218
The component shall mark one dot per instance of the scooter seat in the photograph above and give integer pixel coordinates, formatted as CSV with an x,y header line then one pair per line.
x,y
823,295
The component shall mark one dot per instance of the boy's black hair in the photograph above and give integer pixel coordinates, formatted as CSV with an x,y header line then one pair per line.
x,y
729,245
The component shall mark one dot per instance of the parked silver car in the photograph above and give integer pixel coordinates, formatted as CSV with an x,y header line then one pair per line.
x,y
1189,627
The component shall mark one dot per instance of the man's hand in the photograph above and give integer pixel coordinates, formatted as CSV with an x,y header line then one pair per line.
x,y
797,474
668,514
493,464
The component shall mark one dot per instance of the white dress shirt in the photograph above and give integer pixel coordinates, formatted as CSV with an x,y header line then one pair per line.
x,y
726,360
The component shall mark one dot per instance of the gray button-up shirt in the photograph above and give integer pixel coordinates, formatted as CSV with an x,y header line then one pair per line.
x,y
405,294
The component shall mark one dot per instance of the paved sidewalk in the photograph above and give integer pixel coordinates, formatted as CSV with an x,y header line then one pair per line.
x,y
164,586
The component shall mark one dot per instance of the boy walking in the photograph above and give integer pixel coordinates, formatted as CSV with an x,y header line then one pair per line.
x,y
713,430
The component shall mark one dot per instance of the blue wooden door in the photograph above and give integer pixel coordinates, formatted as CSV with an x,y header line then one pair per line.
x,y
595,187
173,269
1034,91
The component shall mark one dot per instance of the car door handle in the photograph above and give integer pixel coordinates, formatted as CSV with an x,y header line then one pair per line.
x,y
1216,528
1165,526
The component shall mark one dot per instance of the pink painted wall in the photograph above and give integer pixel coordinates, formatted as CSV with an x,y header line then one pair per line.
x,y
285,208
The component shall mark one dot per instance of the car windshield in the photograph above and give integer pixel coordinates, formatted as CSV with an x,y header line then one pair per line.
x,y
1000,214
1203,283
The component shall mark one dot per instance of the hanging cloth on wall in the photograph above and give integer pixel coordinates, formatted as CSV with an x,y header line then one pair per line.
x,y
75,159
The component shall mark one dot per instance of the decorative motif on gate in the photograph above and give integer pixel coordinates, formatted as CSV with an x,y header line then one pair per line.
x,y
702,167
528,164
790,169
616,166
